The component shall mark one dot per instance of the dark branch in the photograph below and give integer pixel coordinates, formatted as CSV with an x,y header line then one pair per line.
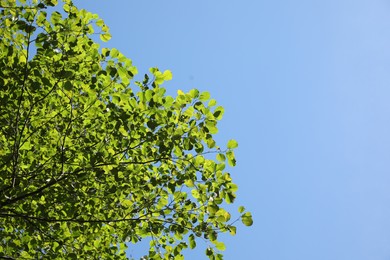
x,y
69,219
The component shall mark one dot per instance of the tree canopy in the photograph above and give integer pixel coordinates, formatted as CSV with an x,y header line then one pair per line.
x,y
92,160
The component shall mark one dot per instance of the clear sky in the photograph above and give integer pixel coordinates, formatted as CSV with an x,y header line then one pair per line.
x,y
306,90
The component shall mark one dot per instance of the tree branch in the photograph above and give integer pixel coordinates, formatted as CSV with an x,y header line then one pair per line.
x,y
69,219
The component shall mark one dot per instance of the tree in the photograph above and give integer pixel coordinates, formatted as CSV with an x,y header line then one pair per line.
x,y
88,162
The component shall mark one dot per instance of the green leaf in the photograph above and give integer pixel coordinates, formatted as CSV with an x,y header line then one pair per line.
x,y
231,158
213,209
194,93
123,74
195,194
167,75
232,230
204,96
66,7
221,157
105,28
100,22
105,37
148,94
218,113
220,246
209,252
51,2
241,209
232,144
25,255
55,17
246,219
114,53
212,103
191,240
230,197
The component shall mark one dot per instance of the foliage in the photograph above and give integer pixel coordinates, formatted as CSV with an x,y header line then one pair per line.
x,y
88,163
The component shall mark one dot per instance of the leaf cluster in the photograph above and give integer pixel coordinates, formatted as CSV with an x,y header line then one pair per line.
x,y
88,162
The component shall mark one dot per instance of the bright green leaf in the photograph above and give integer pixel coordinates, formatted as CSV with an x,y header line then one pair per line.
x,y
220,246
204,96
221,157
192,242
167,75
232,144
105,37
246,219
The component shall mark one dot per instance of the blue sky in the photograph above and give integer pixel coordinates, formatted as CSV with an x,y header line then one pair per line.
x,y
305,86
